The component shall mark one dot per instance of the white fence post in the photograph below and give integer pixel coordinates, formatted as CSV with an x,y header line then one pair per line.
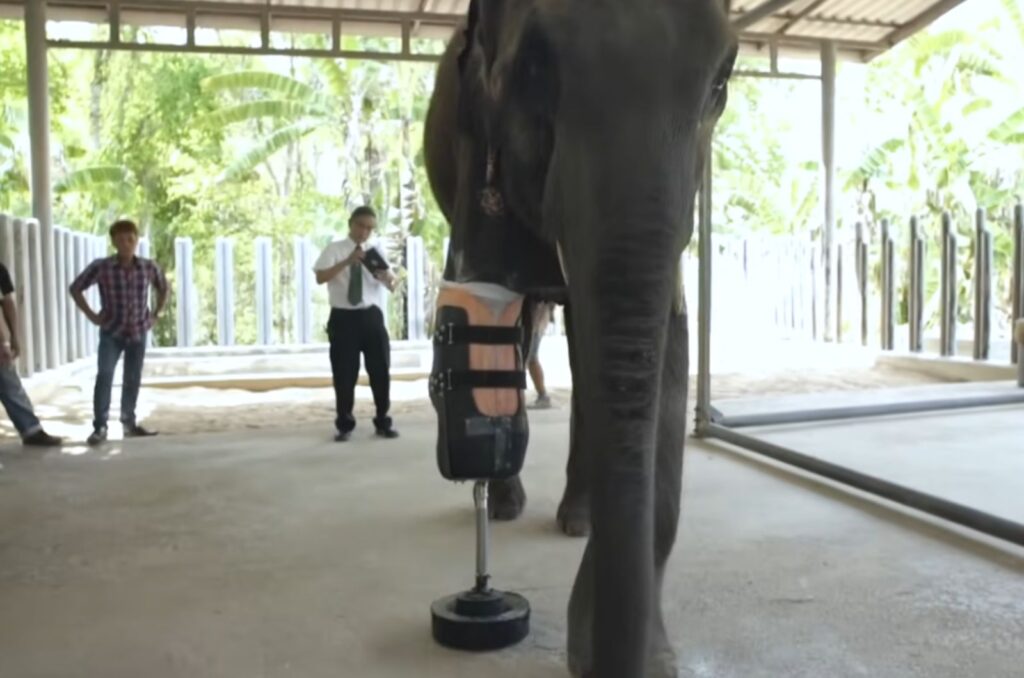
x,y
70,264
303,290
48,297
23,287
264,292
143,252
98,250
224,270
186,307
60,296
37,298
10,252
416,270
81,349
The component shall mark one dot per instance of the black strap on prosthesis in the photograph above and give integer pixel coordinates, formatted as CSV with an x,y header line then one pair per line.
x,y
490,335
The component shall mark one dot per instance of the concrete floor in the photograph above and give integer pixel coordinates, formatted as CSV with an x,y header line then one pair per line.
x,y
289,555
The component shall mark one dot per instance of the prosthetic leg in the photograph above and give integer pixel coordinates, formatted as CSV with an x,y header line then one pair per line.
x,y
476,388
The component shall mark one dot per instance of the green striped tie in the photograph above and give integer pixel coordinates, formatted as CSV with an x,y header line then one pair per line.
x,y
355,284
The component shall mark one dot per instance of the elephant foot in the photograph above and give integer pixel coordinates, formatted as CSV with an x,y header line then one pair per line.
x,y
507,499
662,665
574,515
663,657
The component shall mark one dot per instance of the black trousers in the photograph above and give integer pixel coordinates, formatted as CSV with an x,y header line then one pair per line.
x,y
351,333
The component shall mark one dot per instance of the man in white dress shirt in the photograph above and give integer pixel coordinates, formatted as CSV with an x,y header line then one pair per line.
x,y
356,325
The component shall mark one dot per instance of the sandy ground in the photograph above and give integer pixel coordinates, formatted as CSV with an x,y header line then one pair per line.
x,y
207,410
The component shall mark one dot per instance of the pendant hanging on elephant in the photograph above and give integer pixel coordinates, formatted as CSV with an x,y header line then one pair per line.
x,y
565,142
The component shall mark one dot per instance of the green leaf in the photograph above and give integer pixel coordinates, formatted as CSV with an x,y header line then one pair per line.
x,y
977,105
337,79
89,179
289,88
266,108
266,148
1012,126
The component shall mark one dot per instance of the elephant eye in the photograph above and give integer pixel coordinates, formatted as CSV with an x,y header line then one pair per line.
x,y
535,72
721,81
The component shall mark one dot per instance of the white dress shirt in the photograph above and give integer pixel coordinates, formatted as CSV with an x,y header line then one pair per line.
x,y
337,287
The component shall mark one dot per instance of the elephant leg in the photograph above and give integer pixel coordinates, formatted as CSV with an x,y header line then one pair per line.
x,y
507,498
668,479
574,509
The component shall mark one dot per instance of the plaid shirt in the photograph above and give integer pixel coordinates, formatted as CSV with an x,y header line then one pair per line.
x,y
124,294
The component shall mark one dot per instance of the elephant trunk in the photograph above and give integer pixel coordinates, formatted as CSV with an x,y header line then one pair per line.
x,y
620,339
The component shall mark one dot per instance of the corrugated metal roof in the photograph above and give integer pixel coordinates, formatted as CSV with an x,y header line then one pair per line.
x,y
870,26
861,28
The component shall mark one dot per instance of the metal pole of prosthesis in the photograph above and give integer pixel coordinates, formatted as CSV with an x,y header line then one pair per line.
x,y
957,513
704,412
480,618
480,501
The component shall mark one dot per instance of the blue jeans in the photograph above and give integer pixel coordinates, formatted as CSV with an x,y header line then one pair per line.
x,y
110,350
17,403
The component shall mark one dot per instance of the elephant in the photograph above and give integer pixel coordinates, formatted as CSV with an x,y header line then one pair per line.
x,y
565,143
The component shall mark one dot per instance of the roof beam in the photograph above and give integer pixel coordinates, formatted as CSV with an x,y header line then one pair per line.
x,y
766,8
920,21
801,15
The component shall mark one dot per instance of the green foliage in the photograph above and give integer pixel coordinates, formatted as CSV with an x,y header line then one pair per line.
x,y
205,146
956,95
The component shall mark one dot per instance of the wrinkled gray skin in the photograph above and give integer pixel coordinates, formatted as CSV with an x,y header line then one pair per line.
x,y
597,114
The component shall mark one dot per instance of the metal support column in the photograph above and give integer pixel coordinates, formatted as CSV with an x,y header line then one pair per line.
x,y
828,157
704,296
39,137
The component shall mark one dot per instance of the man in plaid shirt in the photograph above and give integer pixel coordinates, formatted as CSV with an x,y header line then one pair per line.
x,y
124,320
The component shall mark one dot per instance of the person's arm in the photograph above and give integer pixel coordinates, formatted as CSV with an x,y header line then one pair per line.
x,y
163,290
385,277
10,307
324,273
84,281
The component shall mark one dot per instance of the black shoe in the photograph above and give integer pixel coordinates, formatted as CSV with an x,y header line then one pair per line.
x,y
387,433
136,431
42,439
342,436
98,437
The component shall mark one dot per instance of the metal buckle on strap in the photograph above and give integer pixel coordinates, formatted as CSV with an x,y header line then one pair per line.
x,y
445,334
